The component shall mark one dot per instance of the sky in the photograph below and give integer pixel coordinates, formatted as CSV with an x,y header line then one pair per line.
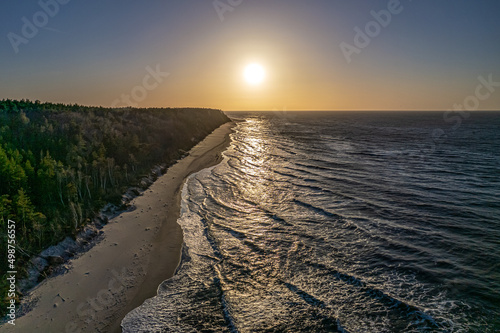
x,y
316,54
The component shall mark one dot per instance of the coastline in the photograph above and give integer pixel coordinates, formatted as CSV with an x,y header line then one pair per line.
x,y
141,248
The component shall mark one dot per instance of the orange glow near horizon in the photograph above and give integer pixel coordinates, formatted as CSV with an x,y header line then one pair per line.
x,y
407,67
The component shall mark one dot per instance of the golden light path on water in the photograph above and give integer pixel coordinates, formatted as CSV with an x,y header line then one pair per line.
x,y
308,224
255,161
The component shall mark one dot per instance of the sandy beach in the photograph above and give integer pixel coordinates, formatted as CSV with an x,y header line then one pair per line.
x,y
140,249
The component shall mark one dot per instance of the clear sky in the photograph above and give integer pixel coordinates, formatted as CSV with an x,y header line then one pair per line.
x,y
429,54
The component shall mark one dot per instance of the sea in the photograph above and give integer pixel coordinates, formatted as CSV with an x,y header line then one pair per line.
x,y
340,222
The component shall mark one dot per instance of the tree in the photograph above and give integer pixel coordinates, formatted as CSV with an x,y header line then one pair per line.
x,y
60,164
5,209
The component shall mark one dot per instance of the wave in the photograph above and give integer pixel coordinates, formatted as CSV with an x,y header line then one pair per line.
x,y
322,226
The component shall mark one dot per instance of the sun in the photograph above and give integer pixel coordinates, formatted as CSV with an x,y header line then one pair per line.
x,y
254,74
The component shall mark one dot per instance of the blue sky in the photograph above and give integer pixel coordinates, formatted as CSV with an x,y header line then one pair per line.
x,y
93,52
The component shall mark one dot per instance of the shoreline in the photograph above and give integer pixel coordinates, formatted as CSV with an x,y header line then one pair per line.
x,y
141,248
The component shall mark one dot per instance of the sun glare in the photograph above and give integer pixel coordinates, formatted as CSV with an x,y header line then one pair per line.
x,y
254,74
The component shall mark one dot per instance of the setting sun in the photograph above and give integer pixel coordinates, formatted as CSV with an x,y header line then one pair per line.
x,y
254,74
250,166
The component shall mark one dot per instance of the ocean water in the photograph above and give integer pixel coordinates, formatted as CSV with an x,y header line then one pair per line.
x,y
340,222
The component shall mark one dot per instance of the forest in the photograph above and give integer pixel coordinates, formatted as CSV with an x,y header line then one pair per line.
x,y
60,164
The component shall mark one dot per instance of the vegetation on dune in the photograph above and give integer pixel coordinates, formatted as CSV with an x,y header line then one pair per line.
x,y
60,164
